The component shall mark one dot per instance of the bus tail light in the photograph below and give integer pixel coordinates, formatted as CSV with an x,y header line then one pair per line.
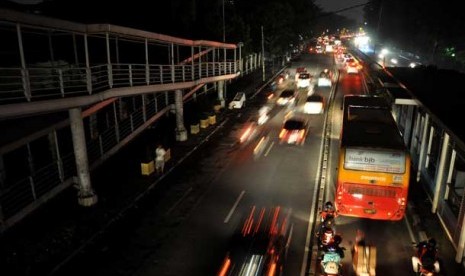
x,y
402,202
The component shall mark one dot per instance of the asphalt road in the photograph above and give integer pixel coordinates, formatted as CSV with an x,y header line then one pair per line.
x,y
184,224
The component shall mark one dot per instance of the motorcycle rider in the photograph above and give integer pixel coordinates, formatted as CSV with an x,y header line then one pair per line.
x,y
427,246
331,261
328,210
326,237
426,257
327,216
334,246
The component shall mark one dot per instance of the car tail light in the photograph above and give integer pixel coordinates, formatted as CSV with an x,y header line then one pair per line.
x,y
282,133
272,270
225,267
246,134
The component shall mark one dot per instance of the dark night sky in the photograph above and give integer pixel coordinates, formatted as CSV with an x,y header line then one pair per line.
x,y
326,5
336,5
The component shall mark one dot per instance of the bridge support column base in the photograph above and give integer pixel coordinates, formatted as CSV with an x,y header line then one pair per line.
x,y
181,134
87,199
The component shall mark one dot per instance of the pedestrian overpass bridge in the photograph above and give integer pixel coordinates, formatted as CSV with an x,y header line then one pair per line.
x,y
58,64
96,85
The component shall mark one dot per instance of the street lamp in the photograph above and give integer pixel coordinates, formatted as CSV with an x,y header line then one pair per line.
x,y
263,55
224,30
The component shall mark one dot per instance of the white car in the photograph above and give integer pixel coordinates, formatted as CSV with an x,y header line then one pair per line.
x,y
287,97
238,102
263,114
314,105
298,71
329,48
303,80
324,80
352,66
294,130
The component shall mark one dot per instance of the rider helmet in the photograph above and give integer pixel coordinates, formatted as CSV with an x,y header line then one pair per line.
x,y
329,206
431,243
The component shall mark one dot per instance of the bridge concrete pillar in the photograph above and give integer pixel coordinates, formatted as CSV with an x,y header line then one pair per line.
x,y
221,87
181,132
2,172
86,195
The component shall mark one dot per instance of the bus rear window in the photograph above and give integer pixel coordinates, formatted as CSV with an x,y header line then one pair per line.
x,y
374,160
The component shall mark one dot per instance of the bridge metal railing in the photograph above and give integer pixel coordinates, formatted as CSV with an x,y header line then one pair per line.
x,y
39,83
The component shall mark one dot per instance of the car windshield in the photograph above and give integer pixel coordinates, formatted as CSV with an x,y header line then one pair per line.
x,y
304,76
287,94
323,74
314,98
238,97
293,125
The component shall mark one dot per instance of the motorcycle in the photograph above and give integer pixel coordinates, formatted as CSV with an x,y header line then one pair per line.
x,y
426,262
328,215
325,237
328,218
331,263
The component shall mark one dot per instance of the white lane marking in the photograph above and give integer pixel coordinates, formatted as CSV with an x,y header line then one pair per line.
x,y
226,220
269,149
310,218
410,232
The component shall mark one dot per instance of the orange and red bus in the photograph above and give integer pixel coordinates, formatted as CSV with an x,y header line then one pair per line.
x,y
374,164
